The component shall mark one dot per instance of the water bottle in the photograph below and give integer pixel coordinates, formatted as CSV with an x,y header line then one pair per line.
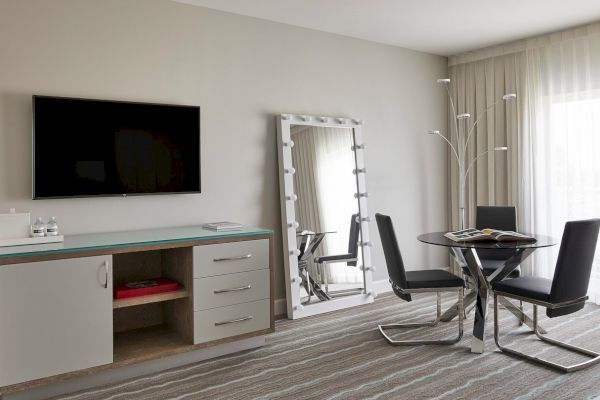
x,y
38,229
52,227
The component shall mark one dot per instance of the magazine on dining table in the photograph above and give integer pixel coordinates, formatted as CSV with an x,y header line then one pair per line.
x,y
472,234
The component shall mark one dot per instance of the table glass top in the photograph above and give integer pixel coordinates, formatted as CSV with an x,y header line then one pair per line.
x,y
438,239
126,238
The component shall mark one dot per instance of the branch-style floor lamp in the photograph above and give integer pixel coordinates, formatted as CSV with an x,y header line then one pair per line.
x,y
462,141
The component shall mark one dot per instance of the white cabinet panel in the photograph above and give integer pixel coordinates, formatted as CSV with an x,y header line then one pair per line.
x,y
223,322
225,290
55,317
230,258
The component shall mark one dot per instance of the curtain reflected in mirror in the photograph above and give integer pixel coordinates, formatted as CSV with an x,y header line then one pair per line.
x,y
327,212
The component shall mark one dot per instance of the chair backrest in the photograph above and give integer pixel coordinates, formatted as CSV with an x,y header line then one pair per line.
x,y
393,258
353,239
502,218
574,264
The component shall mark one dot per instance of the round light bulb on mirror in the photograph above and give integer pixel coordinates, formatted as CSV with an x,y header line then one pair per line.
x,y
289,144
305,118
298,307
433,132
359,171
358,147
341,120
294,252
509,96
444,81
291,171
285,117
501,148
359,195
372,294
463,116
292,197
294,225
357,121
323,119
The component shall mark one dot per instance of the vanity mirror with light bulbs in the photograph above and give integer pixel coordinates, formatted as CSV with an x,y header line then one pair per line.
x,y
325,220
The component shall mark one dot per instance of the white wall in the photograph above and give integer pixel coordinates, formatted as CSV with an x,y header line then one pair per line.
x,y
241,71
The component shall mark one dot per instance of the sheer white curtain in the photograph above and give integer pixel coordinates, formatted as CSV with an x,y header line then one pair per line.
x,y
563,81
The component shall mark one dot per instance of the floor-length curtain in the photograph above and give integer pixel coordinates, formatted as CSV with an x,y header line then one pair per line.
x,y
563,75
477,88
552,172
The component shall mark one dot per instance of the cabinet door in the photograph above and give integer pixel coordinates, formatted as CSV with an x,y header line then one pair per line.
x,y
55,317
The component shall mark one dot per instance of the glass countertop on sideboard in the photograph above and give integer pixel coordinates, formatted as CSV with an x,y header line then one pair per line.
x,y
107,240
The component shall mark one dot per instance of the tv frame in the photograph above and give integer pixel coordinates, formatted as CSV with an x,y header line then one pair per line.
x,y
33,196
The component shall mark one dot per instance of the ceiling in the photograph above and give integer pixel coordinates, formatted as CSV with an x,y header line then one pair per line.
x,y
444,27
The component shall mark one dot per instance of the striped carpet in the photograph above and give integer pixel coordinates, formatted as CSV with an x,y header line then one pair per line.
x,y
342,356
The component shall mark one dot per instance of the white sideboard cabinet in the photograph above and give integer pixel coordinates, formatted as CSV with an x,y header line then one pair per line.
x,y
59,319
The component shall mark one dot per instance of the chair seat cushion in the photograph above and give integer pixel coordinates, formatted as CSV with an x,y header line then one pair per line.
x,y
490,266
531,287
433,278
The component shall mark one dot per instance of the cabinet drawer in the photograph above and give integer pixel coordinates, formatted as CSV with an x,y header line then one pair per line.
x,y
223,322
230,258
225,290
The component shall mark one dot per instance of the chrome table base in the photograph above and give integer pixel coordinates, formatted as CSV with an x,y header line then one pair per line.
x,y
481,294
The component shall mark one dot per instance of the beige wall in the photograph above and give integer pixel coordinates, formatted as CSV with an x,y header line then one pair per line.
x,y
241,71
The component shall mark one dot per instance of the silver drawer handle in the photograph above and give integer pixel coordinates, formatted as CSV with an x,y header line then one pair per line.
x,y
244,257
233,321
236,289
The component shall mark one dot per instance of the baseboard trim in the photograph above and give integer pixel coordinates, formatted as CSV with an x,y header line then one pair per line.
x,y
380,287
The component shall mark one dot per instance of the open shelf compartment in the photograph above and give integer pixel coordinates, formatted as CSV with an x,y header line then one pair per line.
x,y
147,326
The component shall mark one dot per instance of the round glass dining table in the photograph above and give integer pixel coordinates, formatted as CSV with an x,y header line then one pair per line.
x,y
465,254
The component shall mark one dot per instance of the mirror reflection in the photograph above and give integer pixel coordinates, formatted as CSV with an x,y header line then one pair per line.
x,y
327,212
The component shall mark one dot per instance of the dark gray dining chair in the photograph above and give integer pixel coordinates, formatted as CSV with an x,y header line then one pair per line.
x,y
350,258
566,293
501,218
404,283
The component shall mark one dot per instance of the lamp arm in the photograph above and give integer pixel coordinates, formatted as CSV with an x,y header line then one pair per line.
x,y
475,124
455,116
451,146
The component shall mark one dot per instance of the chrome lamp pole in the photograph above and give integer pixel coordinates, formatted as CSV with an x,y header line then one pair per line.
x,y
460,150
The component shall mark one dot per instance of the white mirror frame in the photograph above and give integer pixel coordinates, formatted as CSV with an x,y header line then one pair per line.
x,y
295,309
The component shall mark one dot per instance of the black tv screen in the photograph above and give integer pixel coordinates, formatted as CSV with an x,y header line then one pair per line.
x,y
84,148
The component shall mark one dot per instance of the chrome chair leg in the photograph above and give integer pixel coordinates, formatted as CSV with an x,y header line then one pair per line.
x,y
383,328
563,368
521,320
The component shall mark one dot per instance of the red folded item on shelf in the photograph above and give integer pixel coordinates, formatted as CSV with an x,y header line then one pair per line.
x,y
145,287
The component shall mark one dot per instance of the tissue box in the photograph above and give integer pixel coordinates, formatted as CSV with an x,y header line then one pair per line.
x,y
15,226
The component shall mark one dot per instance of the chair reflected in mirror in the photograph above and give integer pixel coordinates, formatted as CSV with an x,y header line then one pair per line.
x,y
350,258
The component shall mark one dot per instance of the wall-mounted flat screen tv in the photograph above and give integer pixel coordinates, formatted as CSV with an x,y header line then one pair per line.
x,y
86,148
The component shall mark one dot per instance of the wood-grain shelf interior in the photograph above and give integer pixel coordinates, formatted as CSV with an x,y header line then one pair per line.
x,y
151,298
148,343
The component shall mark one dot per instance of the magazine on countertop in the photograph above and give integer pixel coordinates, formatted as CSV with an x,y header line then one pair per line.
x,y
472,235
223,226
